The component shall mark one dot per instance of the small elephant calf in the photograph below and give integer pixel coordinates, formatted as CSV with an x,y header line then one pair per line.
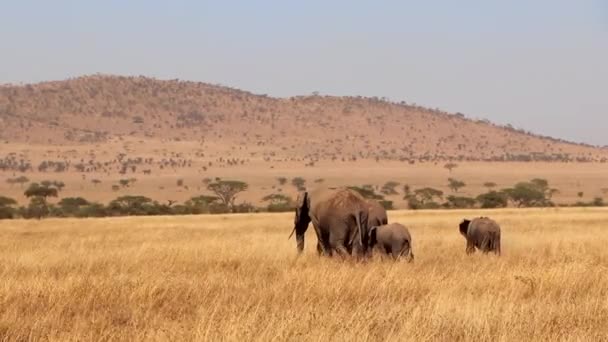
x,y
482,233
393,239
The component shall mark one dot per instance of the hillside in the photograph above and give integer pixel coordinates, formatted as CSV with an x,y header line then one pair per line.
x,y
231,123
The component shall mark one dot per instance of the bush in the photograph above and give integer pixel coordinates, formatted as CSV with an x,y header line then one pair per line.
x,y
493,199
245,207
7,211
529,194
459,202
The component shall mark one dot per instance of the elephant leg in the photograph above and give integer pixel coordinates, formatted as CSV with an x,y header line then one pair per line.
x,y
397,250
340,248
300,243
485,245
322,247
497,246
470,248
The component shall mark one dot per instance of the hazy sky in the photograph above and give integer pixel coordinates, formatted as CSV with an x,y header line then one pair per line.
x,y
538,64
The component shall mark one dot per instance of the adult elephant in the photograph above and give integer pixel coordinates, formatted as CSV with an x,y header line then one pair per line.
x,y
482,233
339,217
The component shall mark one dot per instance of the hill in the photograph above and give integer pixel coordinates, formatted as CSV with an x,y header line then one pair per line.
x,y
240,126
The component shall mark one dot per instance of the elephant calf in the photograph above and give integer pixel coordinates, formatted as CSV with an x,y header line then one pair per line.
x,y
481,233
392,239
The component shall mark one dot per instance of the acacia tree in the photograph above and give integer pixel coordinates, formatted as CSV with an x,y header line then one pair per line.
x,y
56,184
455,184
38,195
226,190
423,198
450,166
389,188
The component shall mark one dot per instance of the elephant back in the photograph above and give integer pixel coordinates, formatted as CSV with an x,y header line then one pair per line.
x,y
347,199
484,225
338,202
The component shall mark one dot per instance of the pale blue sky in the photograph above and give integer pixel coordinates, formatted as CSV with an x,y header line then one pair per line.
x,y
540,65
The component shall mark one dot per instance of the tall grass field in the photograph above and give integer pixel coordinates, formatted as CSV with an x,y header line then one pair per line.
x,y
237,278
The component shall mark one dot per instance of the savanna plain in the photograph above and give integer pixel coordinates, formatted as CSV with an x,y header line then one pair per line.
x,y
237,277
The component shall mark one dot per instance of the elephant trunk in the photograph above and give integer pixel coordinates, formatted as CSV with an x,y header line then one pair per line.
x,y
300,242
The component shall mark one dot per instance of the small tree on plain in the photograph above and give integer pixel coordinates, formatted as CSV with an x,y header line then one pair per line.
x,y
389,188
226,190
450,166
38,195
455,184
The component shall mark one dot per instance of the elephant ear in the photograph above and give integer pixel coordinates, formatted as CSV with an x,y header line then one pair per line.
x,y
302,199
464,226
302,205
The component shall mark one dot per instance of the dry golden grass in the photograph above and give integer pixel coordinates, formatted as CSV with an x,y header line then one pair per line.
x,y
237,278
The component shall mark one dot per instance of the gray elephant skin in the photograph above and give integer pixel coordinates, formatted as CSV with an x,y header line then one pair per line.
x,y
339,217
376,213
392,239
481,233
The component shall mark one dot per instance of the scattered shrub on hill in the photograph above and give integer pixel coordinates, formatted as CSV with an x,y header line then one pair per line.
x,y
450,166
299,183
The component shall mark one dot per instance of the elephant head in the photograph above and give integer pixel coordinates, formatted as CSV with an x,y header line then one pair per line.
x,y
464,227
302,219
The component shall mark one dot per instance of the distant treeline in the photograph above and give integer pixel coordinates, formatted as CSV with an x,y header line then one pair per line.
x,y
535,193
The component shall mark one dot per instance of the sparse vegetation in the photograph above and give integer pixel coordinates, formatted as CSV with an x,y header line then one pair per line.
x,y
299,183
450,166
